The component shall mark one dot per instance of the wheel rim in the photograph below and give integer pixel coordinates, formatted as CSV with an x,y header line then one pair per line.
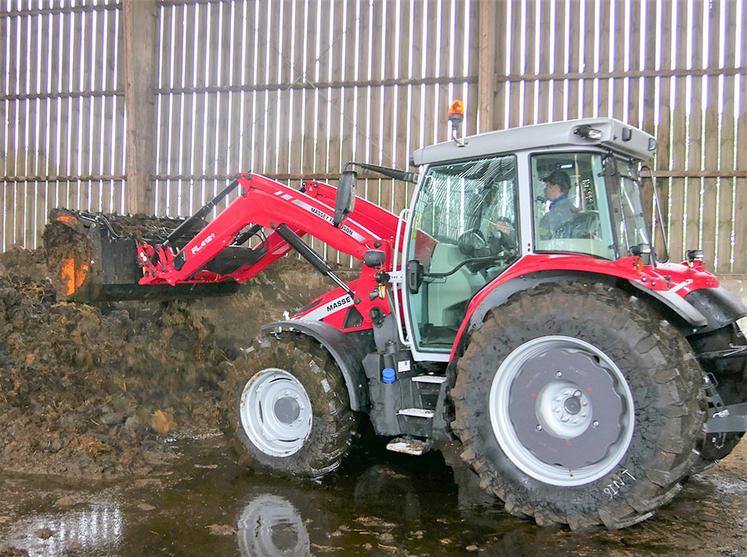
x,y
270,525
276,412
561,410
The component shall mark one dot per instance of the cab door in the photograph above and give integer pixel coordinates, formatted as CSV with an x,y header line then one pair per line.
x,y
463,233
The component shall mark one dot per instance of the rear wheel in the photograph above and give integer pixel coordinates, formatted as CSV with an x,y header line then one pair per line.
x,y
286,408
577,405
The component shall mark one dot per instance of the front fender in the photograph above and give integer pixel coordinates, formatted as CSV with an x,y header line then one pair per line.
x,y
347,350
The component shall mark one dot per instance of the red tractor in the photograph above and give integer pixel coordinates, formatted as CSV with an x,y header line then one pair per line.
x,y
518,306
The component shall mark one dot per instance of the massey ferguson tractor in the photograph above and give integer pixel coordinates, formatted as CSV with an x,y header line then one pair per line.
x,y
517,307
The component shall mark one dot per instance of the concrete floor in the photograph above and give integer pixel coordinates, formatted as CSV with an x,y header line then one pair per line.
x,y
379,503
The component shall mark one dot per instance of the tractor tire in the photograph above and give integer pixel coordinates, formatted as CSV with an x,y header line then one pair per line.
x,y
576,404
286,409
732,387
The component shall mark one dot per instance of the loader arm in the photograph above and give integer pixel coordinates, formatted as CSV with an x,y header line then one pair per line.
x,y
269,204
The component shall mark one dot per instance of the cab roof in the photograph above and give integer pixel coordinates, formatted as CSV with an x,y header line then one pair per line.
x,y
615,135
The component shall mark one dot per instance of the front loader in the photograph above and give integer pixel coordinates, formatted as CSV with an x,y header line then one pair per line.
x,y
584,375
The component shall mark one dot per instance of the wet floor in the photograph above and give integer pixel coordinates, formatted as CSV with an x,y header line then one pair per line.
x,y
379,504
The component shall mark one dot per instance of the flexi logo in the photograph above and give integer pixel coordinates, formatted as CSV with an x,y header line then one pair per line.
x,y
205,242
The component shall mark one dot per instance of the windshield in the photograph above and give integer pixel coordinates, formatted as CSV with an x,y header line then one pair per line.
x,y
463,234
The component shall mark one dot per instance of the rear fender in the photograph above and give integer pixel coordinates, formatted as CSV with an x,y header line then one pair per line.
x,y
347,350
719,306
703,310
502,292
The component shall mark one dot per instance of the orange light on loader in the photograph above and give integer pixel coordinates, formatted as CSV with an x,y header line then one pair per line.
x,y
73,276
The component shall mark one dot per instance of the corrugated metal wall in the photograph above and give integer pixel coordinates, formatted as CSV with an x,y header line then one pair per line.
x,y
292,88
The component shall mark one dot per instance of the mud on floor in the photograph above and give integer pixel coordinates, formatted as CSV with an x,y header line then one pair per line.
x,y
377,504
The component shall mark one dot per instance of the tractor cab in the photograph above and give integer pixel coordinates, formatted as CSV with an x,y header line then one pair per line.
x,y
485,202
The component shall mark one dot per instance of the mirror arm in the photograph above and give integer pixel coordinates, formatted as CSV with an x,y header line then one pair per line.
x,y
394,173
482,259
659,217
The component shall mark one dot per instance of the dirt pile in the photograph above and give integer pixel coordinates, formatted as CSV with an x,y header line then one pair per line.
x,y
87,390
97,390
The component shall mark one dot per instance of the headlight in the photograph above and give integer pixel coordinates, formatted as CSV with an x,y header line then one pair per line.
x,y
587,132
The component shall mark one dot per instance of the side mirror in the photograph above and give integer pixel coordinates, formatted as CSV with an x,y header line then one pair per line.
x,y
345,199
414,275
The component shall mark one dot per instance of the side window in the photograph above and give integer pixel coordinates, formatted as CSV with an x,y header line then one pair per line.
x,y
571,209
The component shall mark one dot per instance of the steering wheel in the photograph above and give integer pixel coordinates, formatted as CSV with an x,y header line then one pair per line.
x,y
473,243
504,230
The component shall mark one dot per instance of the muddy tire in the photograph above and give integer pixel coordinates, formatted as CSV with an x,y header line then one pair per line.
x,y
732,387
286,408
577,404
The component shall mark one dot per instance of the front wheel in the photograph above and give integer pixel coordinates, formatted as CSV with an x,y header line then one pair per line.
x,y
578,405
285,406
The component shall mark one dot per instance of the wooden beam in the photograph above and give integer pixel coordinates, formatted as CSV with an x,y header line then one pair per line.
x,y
621,74
486,71
140,45
316,85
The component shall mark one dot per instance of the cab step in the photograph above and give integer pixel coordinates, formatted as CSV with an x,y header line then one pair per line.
x,y
409,445
435,379
416,413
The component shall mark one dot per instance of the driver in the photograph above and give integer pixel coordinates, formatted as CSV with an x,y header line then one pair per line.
x,y
561,210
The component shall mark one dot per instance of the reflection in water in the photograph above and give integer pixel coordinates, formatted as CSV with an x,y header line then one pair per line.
x,y
89,529
271,526
382,484
291,519
376,505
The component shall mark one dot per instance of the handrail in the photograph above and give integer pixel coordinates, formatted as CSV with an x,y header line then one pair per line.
x,y
395,262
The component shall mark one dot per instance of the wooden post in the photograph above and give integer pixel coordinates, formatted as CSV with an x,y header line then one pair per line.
x,y
486,71
140,19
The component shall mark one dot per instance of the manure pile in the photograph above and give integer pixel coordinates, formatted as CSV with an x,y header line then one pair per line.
x,y
92,390
97,390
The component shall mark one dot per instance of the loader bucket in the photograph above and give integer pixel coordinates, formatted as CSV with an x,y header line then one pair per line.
x,y
92,257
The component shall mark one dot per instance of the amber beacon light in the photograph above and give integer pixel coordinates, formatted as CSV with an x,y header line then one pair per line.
x,y
456,116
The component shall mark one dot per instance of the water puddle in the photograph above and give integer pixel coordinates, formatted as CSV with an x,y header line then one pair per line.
x,y
378,504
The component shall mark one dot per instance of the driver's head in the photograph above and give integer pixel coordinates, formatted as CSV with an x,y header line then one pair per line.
x,y
557,183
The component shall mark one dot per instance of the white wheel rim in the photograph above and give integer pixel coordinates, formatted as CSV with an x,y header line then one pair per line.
x,y
271,526
542,404
276,412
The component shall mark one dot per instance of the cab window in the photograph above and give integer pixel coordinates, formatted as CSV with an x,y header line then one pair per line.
x,y
571,209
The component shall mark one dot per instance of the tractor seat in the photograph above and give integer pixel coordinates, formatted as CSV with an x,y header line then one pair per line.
x,y
585,224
